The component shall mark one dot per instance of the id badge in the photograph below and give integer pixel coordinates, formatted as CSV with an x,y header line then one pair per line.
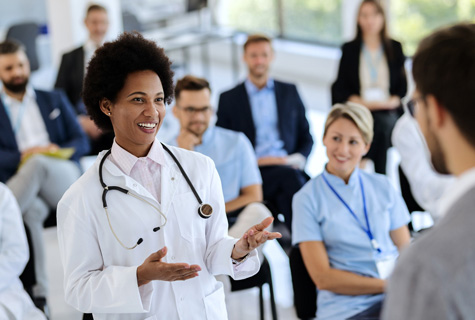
x,y
385,266
374,94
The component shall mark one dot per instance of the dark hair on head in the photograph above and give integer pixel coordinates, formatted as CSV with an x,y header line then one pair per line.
x,y
444,66
113,62
190,83
254,38
95,7
386,41
10,46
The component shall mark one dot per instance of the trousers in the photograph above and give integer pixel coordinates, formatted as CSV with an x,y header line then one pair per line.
x,y
38,186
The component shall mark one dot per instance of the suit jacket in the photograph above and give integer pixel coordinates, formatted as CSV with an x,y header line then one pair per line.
x,y
234,112
62,126
348,79
71,75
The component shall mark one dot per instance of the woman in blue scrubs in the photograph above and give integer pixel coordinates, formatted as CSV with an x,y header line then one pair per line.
x,y
350,225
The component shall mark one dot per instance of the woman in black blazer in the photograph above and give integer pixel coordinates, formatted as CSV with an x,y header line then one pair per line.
x,y
372,73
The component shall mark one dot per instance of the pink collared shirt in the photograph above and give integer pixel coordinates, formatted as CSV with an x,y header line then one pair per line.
x,y
145,170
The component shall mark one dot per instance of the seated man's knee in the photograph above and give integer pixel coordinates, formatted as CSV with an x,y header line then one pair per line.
x,y
36,213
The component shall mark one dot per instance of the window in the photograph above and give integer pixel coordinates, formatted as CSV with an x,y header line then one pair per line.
x,y
313,20
307,20
252,16
412,20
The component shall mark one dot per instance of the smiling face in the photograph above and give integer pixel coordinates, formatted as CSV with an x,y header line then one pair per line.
x,y
138,112
193,110
14,71
258,56
345,147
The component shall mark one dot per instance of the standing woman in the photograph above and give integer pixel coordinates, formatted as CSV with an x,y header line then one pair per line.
x,y
350,225
143,232
372,73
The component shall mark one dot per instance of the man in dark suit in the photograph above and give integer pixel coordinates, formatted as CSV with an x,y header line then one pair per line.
x,y
71,74
434,278
35,127
271,114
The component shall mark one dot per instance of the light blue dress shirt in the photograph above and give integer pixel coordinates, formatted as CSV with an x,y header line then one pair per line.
x,y
266,120
320,216
234,158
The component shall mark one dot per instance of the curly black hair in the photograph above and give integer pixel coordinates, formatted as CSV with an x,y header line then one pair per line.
x,y
113,62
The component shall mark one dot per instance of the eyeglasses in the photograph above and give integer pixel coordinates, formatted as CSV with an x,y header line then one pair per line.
x,y
410,106
192,110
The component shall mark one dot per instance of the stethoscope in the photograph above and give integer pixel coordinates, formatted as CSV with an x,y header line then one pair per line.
x,y
204,210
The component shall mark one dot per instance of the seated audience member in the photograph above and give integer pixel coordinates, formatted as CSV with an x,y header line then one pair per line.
x,y
434,278
34,124
372,73
426,184
15,303
231,152
350,225
72,70
271,114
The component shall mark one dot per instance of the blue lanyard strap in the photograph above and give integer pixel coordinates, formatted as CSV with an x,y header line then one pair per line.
x,y
19,117
373,67
366,229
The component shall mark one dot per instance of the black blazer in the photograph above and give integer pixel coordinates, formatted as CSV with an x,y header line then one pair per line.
x,y
234,112
61,124
348,80
71,75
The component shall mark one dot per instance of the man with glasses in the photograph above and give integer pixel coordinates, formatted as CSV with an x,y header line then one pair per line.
x,y
434,278
231,152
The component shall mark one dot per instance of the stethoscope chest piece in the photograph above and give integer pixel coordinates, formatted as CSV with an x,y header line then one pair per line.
x,y
205,211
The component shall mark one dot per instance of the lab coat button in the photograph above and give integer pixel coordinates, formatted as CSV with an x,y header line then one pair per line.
x,y
173,178
182,299
173,257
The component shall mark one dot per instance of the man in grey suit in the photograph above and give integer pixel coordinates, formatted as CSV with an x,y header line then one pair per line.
x,y
435,278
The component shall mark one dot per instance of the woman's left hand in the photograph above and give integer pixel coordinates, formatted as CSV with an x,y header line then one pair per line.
x,y
253,238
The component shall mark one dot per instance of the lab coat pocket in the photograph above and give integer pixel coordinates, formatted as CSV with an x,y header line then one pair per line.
x,y
215,305
192,226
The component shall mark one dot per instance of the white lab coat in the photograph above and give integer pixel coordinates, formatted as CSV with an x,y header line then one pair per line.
x,y
100,275
15,303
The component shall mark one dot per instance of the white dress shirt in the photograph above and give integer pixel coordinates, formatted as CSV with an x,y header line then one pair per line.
x,y
427,185
26,119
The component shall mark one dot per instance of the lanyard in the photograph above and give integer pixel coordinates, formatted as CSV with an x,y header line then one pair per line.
x,y
19,117
366,229
373,67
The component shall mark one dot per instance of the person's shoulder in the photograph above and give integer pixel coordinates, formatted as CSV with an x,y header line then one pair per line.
x,y
353,44
375,178
89,181
233,90
284,84
310,188
74,52
230,137
184,155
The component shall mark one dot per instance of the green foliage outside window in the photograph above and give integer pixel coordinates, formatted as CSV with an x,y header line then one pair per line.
x,y
412,20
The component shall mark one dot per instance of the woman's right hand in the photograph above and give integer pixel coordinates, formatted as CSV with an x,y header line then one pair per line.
x,y
154,269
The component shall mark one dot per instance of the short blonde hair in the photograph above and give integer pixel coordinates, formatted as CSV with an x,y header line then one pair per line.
x,y
358,114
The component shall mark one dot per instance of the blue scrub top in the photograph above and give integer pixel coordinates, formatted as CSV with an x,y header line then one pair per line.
x,y
234,158
318,215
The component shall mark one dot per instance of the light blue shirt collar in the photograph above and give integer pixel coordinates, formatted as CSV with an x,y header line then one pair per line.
x,y
337,182
251,87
